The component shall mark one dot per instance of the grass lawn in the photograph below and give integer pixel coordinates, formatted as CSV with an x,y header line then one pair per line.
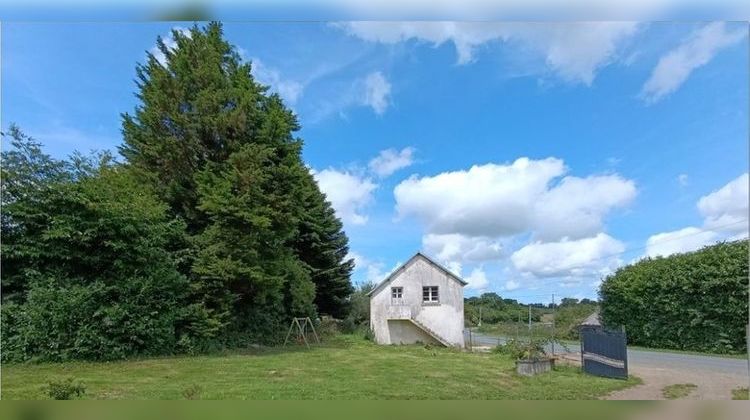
x,y
677,391
347,367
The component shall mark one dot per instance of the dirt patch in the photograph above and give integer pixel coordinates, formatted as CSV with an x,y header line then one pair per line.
x,y
709,385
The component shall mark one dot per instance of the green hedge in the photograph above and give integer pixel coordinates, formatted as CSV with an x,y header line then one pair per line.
x,y
694,301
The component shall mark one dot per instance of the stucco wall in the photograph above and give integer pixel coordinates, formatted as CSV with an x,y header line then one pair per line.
x,y
446,318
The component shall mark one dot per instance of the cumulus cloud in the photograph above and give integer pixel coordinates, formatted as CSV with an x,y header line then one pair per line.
x,y
348,193
495,200
289,90
575,258
377,92
683,179
725,216
486,200
391,160
674,68
575,207
726,209
477,279
574,51
455,247
679,241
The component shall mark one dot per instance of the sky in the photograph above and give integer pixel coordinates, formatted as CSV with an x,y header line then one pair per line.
x,y
529,158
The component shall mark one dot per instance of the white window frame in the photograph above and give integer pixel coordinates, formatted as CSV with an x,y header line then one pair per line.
x,y
397,295
432,296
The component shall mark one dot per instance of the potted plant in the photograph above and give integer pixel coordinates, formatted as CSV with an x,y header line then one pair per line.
x,y
531,356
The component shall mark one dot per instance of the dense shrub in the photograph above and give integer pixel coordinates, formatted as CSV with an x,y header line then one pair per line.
x,y
91,263
65,389
694,301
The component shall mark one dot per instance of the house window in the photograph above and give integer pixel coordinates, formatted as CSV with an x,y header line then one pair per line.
x,y
396,292
430,294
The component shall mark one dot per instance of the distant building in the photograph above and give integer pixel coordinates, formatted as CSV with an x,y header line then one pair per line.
x,y
592,321
421,301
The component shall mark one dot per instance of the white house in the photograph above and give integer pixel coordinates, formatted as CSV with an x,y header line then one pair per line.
x,y
421,301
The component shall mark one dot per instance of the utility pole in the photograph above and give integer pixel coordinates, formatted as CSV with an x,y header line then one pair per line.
x,y
529,306
480,316
553,324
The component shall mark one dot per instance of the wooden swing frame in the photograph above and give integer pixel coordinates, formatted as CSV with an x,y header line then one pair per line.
x,y
301,324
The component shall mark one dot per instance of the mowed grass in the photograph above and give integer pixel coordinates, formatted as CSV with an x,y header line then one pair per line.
x,y
347,367
677,391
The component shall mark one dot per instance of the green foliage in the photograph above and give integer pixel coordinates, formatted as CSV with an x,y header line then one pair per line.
x,y
495,309
322,246
213,233
694,301
531,349
569,316
220,150
360,304
93,274
740,394
65,389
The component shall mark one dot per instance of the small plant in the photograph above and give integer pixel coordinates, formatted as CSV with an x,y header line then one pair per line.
x,y
740,394
533,349
193,392
65,388
369,335
676,391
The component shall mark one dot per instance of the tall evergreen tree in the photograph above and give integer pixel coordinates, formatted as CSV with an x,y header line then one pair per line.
x,y
222,153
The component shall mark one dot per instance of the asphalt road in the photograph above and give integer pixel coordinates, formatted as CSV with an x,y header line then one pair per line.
x,y
645,358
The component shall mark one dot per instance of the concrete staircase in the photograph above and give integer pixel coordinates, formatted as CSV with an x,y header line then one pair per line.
x,y
431,333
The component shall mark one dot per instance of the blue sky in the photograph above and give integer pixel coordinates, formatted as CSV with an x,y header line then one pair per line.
x,y
530,158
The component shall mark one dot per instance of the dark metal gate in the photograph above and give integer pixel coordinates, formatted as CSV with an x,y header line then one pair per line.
x,y
604,352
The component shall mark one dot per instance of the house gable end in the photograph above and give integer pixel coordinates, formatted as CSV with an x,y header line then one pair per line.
x,y
407,264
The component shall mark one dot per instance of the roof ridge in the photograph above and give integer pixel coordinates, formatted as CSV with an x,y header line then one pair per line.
x,y
402,266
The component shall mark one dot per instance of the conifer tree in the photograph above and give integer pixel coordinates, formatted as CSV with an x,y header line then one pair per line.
x,y
221,152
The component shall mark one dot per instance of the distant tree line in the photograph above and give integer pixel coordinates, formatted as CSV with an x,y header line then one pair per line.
x,y
693,301
211,233
493,309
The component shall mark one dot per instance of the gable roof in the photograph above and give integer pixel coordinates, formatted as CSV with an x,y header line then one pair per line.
x,y
404,265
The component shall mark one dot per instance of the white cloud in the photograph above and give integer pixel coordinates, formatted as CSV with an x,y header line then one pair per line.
x,y
575,208
454,247
501,200
487,200
683,180
289,90
574,51
679,241
377,91
726,209
575,258
374,271
170,43
725,217
477,279
391,160
347,192
674,68
511,285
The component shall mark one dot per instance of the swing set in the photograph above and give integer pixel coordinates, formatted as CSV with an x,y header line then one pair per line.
x,y
299,326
